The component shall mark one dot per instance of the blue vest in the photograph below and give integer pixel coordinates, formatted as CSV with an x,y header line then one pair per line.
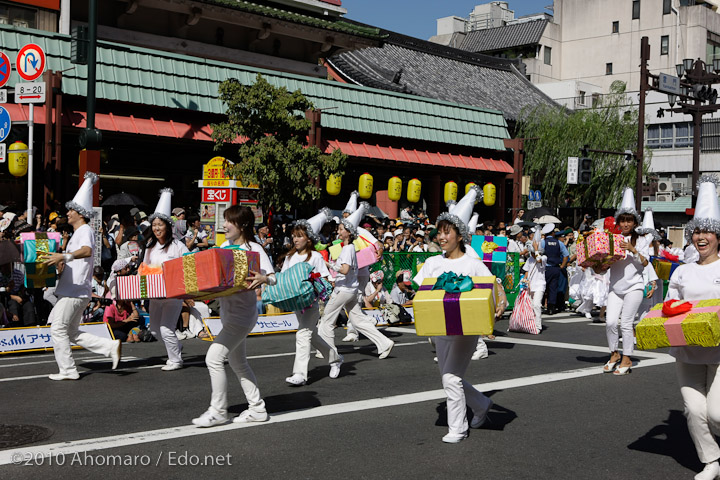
x,y
553,252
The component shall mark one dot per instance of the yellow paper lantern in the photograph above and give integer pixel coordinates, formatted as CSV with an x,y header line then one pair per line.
x,y
468,187
451,190
394,189
413,191
489,193
365,186
17,162
333,184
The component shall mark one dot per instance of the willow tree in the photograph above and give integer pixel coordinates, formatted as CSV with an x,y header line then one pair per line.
x,y
556,134
268,123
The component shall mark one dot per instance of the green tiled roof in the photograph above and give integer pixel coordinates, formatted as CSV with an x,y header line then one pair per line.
x,y
676,206
152,77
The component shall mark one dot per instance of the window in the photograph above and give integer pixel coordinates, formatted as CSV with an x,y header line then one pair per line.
x,y
712,50
636,9
18,16
608,69
670,135
666,135
616,27
667,4
548,55
653,136
683,135
664,44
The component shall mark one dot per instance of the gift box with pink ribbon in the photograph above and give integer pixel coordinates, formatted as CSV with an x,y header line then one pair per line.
x,y
600,248
698,326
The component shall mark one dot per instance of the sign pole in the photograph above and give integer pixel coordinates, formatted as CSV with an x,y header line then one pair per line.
x,y
31,118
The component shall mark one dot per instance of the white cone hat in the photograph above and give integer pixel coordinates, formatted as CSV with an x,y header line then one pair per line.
x,y
314,224
461,213
472,224
352,204
450,205
163,210
352,222
707,210
83,200
648,225
627,205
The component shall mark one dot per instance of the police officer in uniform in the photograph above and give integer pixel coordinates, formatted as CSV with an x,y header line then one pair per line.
x,y
557,258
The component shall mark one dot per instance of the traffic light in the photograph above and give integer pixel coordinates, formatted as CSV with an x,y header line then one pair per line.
x,y
585,171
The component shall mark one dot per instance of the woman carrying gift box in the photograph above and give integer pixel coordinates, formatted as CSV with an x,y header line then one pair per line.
x,y
304,238
164,313
238,314
626,286
454,353
345,294
697,367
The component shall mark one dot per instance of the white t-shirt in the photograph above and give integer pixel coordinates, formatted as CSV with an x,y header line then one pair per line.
x,y
157,255
349,281
513,246
76,279
202,234
695,282
383,295
439,264
316,260
626,275
241,307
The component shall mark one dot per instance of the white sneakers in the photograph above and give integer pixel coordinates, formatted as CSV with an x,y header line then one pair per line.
x,y
335,367
170,366
351,337
250,416
386,352
479,419
710,472
64,376
478,354
454,437
116,353
296,380
209,419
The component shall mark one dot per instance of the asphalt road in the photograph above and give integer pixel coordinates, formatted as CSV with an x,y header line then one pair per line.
x,y
555,415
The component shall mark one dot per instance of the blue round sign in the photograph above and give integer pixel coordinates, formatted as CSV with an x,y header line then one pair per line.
x,y
5,124
538,195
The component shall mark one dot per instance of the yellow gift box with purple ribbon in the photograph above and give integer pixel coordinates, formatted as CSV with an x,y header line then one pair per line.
x,y
455,305
700,326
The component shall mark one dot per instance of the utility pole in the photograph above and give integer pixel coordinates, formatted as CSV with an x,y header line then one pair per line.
x,y
640,149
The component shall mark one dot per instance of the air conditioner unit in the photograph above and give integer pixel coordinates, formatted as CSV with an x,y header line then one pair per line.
x,y
664,197
678,187
665,186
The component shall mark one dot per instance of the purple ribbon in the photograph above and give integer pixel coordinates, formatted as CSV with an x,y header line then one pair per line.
x,y
451,306
484,286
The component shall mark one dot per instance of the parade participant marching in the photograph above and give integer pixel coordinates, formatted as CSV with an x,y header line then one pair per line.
x,y
626,287
653,291
164,312
74,288
697,367
304,237
345,294
238,314
535,268
454,352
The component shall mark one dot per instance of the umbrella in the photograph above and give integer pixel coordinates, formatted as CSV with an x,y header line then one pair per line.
x,y
548,219
8,252
526,224
531,215
123,199
599,223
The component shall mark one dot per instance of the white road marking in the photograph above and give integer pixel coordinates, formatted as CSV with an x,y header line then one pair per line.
x,y
131,439
568,320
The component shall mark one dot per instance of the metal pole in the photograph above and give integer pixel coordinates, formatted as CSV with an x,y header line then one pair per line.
x,y
639,152
92,33
697,125
31,118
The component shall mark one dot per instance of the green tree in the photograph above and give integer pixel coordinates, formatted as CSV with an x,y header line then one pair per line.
x,y
556,133
271,125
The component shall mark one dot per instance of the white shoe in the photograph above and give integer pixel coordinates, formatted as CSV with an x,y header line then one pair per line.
x,y
335,367
710,472
169,367
209,419
454,437
296,380
250,416
478,354
351,337
386,352
116,353
479,420
588,316
318,354
64,376
435,359
183,335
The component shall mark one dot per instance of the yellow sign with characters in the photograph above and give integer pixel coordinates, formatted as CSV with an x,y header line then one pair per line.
x,y
214,173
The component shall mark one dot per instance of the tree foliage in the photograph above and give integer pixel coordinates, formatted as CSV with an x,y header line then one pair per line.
x,y
270,127
556,133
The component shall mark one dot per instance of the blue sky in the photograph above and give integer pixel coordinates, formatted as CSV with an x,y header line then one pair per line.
x,y
417,17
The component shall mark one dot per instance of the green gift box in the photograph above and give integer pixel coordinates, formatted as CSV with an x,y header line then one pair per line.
x,y
40,275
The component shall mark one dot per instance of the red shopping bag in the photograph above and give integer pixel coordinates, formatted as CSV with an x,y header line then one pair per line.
x,y
522,318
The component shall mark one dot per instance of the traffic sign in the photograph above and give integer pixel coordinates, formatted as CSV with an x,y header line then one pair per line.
x,y
538,195
669,83
30,92
5,69
5,124
3,95
572,171
30,62
531,204
3,153
531,196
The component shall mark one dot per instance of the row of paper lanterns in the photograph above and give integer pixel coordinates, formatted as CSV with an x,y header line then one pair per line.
x,y
414,187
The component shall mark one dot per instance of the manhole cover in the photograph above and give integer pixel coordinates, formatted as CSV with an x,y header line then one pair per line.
x,y
14,435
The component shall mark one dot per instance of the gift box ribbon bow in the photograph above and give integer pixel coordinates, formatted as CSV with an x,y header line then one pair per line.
x,y
453,283
675,307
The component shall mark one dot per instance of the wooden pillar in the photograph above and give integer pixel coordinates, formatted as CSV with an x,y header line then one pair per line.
x,y
434,197
90,162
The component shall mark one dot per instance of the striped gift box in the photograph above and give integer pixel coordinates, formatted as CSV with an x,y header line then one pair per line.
x,y
138,287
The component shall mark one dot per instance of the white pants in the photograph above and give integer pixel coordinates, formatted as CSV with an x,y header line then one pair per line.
x,y
64,321
230,345
164,316
306,336
700,389
623,309
481,345
348,300
363,280
454,354
537,298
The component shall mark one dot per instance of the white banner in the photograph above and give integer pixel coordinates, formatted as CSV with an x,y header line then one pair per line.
x,y
39,338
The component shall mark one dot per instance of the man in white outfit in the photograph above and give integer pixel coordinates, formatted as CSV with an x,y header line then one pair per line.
x,y
74,289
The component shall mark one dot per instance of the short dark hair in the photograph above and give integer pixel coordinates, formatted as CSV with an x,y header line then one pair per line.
x,y
242,217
